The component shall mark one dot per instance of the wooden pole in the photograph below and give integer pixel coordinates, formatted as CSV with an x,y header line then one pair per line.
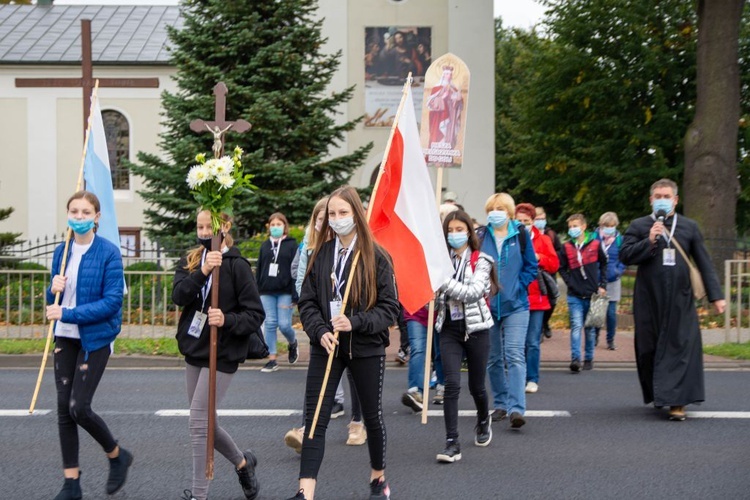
x,y
212,352
331,354
430,321
63,263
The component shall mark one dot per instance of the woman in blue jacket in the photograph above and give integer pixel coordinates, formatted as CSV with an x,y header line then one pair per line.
x,y
611,241
508,243
88,316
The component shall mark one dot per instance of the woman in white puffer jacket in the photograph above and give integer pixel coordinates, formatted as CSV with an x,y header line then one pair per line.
x,y
464,320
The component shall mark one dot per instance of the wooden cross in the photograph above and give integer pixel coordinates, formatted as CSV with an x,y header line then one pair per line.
x,y
219,126
87,79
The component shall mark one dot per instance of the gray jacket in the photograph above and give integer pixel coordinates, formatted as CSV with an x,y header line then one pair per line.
x,y
471,291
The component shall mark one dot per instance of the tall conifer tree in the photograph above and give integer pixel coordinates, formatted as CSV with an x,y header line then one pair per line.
x,y
270,55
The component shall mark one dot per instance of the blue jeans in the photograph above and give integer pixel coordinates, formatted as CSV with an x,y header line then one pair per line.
x,y
278,309
578,308
507,345
533,337
417,346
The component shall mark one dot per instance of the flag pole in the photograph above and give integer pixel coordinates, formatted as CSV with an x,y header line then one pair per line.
x,y
68,235
356,256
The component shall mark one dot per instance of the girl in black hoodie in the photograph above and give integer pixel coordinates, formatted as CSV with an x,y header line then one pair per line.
x,y
371,308
239,314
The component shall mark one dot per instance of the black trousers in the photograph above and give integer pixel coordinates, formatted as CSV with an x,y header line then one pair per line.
x,y
356,408
76,380
452,348
367,374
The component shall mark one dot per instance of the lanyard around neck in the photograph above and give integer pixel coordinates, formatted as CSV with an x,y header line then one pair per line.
x,y
337,279
207,287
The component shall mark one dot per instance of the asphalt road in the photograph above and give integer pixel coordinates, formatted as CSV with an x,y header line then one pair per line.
x,y
611,446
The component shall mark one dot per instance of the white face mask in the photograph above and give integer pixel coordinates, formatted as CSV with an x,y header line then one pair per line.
x,y
342,226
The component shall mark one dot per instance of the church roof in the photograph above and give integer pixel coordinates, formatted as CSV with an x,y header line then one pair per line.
x,y
121,34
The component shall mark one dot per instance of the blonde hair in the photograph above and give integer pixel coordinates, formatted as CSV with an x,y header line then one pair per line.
x,y
540,211
194,255
609,218
578,217
504,200
311,235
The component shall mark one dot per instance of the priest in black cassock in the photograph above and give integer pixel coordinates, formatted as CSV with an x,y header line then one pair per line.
x,y
668,346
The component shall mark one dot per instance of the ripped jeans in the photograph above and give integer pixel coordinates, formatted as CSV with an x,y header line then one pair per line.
x,y
76,383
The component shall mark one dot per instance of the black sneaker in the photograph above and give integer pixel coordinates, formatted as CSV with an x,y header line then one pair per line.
x,y
413,399
516,420
575,366
269,367
118,470
548,333
246,476
299,496
451,453
498,414
379,489
611,346
588,364
483,432
71,489
293,352
187,495
337,410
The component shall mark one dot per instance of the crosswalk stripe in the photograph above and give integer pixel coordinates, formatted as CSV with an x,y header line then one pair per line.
x,y
23,413
530,413
234,413
718,414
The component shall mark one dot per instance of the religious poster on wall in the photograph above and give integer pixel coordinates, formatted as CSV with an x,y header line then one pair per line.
x,y
391,52
445,101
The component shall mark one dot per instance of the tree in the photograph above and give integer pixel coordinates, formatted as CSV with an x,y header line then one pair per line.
x,y
711,185
270,56
602,104
7,239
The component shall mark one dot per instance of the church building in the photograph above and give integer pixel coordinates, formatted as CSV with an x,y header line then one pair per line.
x,y
41,131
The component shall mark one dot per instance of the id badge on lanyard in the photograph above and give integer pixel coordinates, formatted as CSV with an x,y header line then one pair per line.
x,y
668,254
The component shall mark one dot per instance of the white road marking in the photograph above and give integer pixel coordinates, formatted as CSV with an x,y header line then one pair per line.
x,y
23,413
234,413
530,413
718,414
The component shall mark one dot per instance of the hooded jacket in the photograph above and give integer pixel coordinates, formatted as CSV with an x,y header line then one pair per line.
x,y
283,282
549,262
99,289
238,300
369,335
584,277
471,291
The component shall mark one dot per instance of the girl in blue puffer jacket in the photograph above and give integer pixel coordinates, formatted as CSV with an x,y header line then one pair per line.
x,y
88,316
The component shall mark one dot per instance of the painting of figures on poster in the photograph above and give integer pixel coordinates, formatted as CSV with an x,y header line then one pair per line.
x,y
445,102
391,52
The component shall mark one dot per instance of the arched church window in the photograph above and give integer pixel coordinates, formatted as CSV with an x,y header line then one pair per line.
x,y
117,130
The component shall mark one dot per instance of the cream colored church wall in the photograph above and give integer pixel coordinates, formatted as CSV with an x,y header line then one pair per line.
x,y
13,161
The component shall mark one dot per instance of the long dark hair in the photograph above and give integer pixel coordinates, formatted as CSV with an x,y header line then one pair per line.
x,y
364,283
474,244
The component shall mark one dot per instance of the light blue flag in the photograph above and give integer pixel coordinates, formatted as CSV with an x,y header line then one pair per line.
x,y
98,177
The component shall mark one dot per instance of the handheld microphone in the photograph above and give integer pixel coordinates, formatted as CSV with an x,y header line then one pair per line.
x,y
660,215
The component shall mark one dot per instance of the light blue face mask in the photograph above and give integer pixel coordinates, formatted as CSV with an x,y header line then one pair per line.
x,y
497,218
608,231
277,231
81,226
457,240
540,224
574,232
662,204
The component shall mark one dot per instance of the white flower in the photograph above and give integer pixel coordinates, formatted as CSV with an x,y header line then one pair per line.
x,y
197,175
212,167
225,181
224,166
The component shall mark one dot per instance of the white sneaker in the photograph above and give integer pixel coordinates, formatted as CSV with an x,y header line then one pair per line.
x,y
357,434
532,387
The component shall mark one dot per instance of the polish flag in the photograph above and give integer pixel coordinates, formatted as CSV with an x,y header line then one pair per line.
x,y
404,216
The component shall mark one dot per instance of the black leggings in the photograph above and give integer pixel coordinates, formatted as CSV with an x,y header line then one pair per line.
x,y
76,380
367,374
452,347
356,408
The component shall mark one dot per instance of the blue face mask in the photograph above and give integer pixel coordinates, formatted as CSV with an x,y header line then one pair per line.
x,y
81,226
457,240
540,224
608,231
277,231
574,232
497,218
662,204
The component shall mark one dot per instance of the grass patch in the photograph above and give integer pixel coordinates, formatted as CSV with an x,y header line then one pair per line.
x,y
148,347
732,351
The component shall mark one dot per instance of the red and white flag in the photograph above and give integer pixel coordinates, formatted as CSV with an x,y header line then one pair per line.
x,y
404,217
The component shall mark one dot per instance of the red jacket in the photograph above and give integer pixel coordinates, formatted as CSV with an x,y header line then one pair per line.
x,y
548,260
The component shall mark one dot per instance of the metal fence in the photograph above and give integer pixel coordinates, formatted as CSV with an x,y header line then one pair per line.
x,y
737,294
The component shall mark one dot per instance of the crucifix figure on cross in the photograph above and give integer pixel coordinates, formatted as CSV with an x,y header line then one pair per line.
x,y
219,126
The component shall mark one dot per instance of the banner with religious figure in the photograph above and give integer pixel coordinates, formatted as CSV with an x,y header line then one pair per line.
x,y
444,106
391,52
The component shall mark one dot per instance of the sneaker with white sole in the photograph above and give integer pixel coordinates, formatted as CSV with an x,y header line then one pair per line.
x,y
532,387
451,453
293,352
269,367
413,399
439,397
357,434
337,410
